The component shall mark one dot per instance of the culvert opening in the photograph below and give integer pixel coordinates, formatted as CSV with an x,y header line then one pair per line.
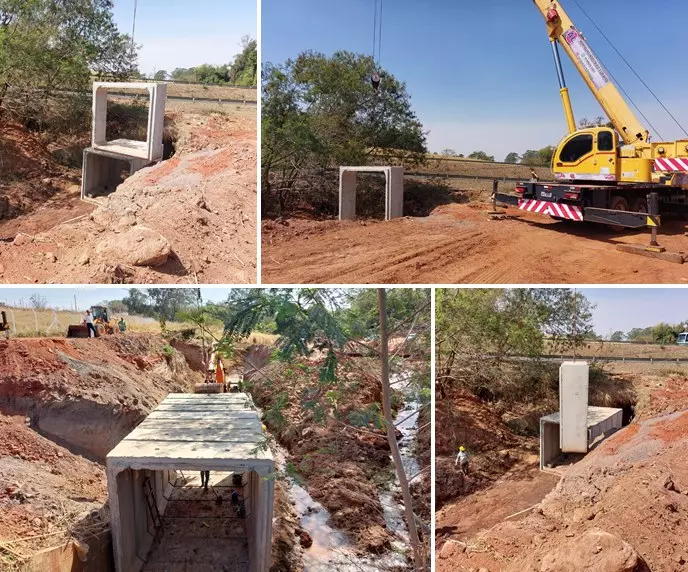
x,y
208,526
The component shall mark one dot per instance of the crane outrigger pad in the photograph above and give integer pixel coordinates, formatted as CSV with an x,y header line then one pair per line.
x,y
652,252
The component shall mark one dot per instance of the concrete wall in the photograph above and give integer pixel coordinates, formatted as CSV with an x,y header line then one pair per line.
x,y
573,407
394,191
133,529
549,443
102,172
613,423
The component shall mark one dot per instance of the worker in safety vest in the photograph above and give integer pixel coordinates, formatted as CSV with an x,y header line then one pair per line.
x,y
219,371
462,460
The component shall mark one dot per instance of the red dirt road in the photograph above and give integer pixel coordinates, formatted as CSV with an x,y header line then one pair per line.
x,y
459,244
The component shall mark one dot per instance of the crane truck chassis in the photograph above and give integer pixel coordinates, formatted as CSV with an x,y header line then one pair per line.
x,y
621,206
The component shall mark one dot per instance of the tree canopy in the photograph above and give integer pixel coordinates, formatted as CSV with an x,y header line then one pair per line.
x,y
242,71
320,112
46,45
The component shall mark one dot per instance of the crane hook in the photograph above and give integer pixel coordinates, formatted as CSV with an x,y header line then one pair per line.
x,y
375,80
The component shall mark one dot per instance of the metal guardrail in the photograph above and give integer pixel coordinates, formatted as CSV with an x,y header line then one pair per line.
x,y
596,359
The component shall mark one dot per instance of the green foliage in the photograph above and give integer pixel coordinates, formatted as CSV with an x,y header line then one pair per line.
x,y
538,158
49,45
242,71
327,372
320,112
116,306
512,158
161,303
448,152
599,121
160,75
481,156
473,324
617,336
168,351
371,415
273,415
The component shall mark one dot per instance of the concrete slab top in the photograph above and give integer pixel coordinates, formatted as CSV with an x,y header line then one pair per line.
x,y
125,147
124,85
369,169
595,415
214,431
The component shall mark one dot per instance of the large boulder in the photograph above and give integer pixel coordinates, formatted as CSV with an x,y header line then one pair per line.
x,y
592,551
138,246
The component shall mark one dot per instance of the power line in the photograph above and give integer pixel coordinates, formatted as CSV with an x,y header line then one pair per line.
x,y
632,69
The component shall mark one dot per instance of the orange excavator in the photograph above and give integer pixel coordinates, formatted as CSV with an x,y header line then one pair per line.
x,y
101,322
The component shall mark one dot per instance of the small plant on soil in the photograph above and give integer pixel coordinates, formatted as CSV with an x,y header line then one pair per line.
x,y
167,351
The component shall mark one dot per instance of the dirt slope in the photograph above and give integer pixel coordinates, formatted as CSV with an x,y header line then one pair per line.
x,y
197,211
89,393
622,508
457,243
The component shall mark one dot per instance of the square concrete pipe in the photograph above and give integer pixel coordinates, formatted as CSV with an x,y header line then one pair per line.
x,y
573,406
601,421
189,432
103,171
150,149
394,191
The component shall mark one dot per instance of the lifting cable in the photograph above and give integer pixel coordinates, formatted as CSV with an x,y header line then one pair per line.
x,y
634,72
377,44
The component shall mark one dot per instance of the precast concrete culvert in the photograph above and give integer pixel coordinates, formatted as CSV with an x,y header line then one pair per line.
x,y
162,518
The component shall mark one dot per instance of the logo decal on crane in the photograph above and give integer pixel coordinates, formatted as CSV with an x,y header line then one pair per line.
x,y
587,58
569,212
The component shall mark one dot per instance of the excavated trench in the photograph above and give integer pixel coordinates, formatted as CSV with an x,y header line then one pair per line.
x,y
332,549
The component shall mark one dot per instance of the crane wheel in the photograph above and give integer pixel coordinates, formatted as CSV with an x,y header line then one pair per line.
x,y
640,205
618,204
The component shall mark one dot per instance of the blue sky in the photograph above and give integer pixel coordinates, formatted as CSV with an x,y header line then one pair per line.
x,y
480,73
626,308
182,33
63,298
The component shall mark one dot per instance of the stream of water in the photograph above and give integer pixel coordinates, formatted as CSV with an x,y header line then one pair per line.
x,y
331,549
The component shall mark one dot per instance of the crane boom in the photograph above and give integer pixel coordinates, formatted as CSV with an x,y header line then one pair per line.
x,y
562,30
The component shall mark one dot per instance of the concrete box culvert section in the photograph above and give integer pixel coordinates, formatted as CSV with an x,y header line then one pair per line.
x,y
573,406
394,191
161,517
600,422
107,163
150,149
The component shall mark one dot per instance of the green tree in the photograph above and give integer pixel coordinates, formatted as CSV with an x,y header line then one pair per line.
x,y
244,68
481,156
160,75
472,324
617,336
512,158
599,121
538,158
448,152
320,112
46,45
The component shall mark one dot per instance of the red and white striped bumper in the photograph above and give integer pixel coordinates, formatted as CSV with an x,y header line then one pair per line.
x,y
676,164
570,212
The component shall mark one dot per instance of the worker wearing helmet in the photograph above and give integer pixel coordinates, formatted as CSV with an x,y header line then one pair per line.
x,y
462,460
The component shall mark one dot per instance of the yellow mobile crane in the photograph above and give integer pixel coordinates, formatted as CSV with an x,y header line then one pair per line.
x,y
615,176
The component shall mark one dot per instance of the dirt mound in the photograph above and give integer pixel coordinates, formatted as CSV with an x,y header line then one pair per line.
x,y
458,243
89,393
633,487
44,489
22,154
201,206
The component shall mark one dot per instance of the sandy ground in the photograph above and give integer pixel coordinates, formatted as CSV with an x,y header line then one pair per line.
x,y
458,243
199,207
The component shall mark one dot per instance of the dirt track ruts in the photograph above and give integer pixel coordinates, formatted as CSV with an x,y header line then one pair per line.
x,y
458,243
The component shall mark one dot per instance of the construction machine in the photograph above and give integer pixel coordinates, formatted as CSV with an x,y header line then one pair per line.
x,y
611,175
101,323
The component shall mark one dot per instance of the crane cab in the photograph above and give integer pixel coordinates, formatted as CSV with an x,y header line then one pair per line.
x,y
593,154
682,339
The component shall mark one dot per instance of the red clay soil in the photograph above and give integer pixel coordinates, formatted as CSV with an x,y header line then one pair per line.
x,y
202,202
43,487
623,507
89,392
339,466
457,244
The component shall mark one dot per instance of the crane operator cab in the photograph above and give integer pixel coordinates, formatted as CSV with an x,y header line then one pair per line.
x,y
595,154
682,339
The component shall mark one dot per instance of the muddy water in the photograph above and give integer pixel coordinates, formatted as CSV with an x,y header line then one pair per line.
x,y
331,549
